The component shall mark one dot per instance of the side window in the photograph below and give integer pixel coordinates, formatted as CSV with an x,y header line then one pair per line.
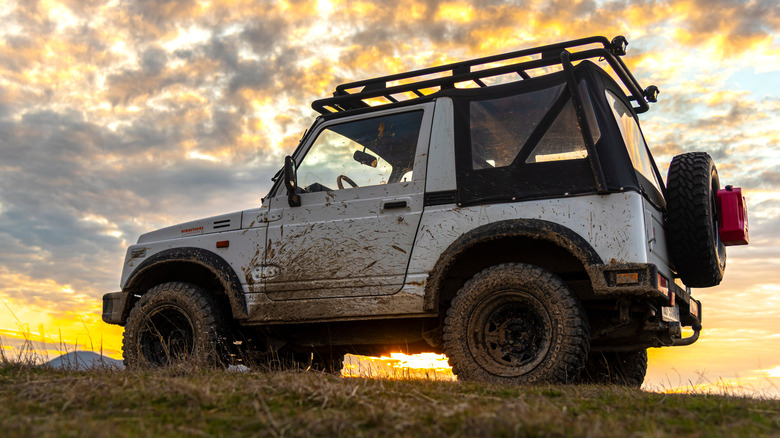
x,y
500,127
632,137
379,150
562,141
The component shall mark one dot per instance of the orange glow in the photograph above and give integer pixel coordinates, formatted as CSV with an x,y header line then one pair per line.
x,y
362,9
419,361
774,372
415,10
497,40
324,7
457,12
745,386
399,365
76,323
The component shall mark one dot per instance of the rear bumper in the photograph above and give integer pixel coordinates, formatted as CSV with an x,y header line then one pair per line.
x,y
640,280
637,311
113,307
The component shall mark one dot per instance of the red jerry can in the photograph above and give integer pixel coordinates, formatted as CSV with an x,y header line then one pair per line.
x,y
733,226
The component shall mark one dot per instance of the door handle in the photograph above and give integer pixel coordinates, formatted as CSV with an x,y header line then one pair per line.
x,y
394,203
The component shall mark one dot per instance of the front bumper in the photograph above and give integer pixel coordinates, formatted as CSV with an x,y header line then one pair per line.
x,y
113,307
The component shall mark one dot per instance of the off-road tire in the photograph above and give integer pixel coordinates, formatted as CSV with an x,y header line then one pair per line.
x,y
692,220
516,323
174,323
626,368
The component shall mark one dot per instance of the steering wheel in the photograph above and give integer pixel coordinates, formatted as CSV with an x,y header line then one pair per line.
x,y
340,181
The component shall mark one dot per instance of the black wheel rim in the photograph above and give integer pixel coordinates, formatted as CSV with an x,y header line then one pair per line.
x,y
510,333
167,335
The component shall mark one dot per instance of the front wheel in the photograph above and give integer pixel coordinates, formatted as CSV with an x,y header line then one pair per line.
x,y
516,323
173,323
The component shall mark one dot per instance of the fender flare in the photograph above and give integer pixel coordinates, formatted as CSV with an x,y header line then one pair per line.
x,y
198,256
516,228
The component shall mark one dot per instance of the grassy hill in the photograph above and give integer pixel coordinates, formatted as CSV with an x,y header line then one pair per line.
x,y
42,402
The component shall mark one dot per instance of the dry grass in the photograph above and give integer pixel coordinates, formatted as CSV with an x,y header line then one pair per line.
x,y
186,401
37,401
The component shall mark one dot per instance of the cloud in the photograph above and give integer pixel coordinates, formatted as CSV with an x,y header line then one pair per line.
x,y
131,86
765,178
735,25
266,35
55,178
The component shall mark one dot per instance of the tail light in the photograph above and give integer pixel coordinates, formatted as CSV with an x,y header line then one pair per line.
x,y
663,287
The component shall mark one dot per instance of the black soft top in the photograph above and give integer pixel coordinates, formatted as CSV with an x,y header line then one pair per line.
x,y
605,168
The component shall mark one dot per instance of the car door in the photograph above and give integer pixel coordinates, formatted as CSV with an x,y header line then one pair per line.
x,y
362,181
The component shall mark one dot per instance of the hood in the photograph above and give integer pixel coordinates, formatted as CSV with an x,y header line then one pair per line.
x,y
216,224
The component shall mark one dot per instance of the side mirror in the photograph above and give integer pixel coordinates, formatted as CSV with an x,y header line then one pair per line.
x,y
291,182
365,158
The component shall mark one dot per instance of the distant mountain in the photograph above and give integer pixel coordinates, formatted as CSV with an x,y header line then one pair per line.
x,y
84,360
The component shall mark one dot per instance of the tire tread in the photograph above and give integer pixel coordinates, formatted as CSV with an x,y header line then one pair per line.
x,y
691,236
564,306
210,321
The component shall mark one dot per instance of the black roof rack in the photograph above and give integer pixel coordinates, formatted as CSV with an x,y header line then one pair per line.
x,y
415,85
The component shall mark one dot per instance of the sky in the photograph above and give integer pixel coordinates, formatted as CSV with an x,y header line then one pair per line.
x,y
120,117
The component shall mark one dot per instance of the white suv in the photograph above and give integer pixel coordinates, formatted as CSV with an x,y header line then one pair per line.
x,y
504,211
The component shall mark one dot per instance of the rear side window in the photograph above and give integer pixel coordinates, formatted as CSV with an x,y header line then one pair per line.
x,y
500,127
523,143
562,141
632,137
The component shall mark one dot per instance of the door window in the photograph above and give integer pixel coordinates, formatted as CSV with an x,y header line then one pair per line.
x,y
379,150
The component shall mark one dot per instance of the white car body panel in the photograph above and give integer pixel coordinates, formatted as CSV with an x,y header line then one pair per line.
x,y
216,224
350,242
244,251
441,159
343,243
608,222
657,252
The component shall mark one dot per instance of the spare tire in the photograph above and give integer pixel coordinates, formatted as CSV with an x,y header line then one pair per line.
x,y
692,220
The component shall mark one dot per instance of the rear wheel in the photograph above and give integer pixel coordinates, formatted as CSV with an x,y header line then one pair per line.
x,y
516,323
173,323
616,368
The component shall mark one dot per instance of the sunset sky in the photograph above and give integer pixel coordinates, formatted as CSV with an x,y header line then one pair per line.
x,y
120,117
